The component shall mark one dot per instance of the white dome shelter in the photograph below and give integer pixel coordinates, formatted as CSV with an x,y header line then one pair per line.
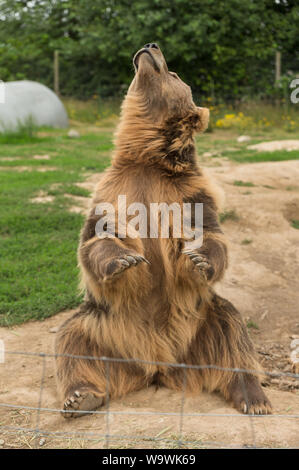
x,y
26,101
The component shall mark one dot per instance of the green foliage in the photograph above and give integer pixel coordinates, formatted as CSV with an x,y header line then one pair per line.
x,y
295,224
38,241
25,132
221,48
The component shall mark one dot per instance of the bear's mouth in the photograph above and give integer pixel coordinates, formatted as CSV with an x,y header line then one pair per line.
x,y
145,51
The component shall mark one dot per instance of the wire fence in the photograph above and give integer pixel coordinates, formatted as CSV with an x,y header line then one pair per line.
x,y
108,437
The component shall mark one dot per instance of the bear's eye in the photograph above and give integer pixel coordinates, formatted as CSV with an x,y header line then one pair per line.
x,y
173,74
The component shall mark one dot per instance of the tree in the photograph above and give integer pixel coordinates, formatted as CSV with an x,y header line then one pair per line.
x,y
225,47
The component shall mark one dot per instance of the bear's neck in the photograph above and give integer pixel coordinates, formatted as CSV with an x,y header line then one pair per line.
x,y
169,146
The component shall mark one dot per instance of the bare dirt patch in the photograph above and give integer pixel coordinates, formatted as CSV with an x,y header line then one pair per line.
x,y
41,157
9,159
22,168
90,182
42,198
81,204
262,281
288,145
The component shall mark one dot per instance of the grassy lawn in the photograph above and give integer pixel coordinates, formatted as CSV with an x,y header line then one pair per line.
x,y
38,241
223,143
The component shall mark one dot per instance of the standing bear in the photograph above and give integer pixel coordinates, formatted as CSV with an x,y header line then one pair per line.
x,y
149,300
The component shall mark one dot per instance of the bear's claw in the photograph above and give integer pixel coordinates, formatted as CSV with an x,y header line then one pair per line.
x,y
200,261
118,265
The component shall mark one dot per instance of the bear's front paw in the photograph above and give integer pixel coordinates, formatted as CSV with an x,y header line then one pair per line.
x,y
201,263
116,266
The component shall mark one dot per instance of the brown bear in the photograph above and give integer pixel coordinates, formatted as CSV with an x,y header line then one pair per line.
x,y
149,301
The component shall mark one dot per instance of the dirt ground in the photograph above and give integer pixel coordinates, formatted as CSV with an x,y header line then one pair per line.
x,y
262,282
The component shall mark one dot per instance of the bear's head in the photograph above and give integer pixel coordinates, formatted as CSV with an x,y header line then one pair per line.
x,y
165,95
159,116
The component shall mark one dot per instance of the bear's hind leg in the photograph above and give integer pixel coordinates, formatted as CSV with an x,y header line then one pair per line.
x,y
80,381
222,341
84,382
233,348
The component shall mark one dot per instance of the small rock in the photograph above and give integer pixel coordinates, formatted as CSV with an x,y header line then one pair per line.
x,y
286,382
209,154
294,357
42,441
243,138
280,365
275,381
294,344
54,329
2,442
73,133
263,316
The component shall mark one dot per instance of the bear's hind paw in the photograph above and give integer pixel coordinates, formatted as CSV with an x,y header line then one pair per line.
x,y
81,403
249,398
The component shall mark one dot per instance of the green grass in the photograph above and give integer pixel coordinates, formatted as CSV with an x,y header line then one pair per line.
x,y
295,224
252,324
93,110
25,132
38,242
223,143
252,156
228,215
246,241
69,189
244,183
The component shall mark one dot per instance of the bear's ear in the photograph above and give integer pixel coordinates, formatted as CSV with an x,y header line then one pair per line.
x,y
203,119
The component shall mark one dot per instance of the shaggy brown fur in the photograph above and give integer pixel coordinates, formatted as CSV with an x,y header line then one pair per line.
x,y
147,298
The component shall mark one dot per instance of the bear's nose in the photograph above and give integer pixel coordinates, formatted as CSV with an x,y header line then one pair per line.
x,y
151,45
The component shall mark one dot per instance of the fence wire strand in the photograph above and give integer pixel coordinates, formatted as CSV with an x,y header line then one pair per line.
x,y
107,368
107,437
41,389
